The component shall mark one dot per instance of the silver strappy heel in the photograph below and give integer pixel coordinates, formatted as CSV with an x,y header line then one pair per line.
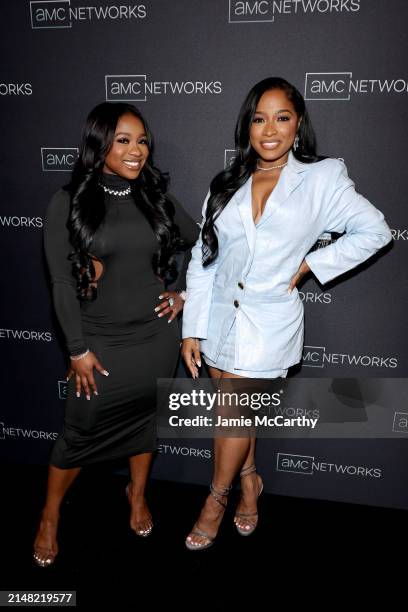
x,y
217,495
250,518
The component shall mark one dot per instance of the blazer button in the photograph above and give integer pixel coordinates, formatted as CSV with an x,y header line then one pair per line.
x,y
236,303
241,285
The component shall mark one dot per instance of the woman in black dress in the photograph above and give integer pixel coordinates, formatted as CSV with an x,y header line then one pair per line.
x,y
110,237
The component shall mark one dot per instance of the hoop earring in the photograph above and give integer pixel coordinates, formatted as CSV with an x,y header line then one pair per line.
x,y
296,142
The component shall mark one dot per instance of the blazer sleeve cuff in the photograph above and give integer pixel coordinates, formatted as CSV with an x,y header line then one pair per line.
x,y
318,268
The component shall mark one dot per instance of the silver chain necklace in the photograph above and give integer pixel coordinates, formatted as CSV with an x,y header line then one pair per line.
x,y
116,192
272,167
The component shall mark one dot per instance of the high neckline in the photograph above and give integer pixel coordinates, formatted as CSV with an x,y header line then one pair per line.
x,y
114,181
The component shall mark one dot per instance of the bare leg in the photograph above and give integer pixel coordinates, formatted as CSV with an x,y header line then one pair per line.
x,y
140,517
250,458
229,456
251,486
45,543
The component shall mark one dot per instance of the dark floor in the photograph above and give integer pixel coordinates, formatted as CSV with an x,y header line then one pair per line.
x,y
300,547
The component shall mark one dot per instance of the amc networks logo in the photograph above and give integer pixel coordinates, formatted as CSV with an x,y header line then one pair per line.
x,y
136,87
256,11
340,86
250,11
54,14
297,464
318,357
49,14
313,356
58,159
125,87
327,85
306,465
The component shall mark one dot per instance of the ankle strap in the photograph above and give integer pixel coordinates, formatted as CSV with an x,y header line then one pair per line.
x,y
248,470
217,495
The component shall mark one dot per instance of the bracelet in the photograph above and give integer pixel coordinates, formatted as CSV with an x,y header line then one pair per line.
x,y
76,357
183,295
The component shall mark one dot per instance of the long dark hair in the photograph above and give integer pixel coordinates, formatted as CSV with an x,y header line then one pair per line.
x,y
227,182
87,211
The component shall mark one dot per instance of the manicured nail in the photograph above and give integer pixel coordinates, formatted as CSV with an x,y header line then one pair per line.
x,y
105,373
199,364
96,393
67,379
169,321
156,309
78,394
160,315
160,297
88,397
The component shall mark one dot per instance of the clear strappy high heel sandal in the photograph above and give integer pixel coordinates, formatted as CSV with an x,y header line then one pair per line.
x,y
196,531
249,518
43,557
143,533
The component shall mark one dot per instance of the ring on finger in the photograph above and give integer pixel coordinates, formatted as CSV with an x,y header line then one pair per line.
x,y
171,302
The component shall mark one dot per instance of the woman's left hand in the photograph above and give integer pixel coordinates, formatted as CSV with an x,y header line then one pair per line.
x,y
172,303
303,269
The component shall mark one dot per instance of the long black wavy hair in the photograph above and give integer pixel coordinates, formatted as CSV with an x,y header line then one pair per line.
x,y
87,210
227,182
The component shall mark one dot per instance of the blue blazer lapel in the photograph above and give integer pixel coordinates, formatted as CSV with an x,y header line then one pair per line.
x,y
290,178
243,198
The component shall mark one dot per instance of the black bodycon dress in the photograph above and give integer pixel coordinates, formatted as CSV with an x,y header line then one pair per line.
x,y
131,342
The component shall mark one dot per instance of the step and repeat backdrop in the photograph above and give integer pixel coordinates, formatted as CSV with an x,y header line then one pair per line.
x,y
188,64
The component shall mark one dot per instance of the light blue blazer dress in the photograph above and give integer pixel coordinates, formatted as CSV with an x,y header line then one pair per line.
x,y
241,300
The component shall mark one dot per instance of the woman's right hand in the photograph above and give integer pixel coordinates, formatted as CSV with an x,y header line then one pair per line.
x,y
83,369
190,351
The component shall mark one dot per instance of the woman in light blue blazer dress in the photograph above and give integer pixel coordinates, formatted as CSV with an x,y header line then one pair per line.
x,y
260,219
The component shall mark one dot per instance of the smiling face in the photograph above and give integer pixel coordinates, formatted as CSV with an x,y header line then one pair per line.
x,y
274,127
129,150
